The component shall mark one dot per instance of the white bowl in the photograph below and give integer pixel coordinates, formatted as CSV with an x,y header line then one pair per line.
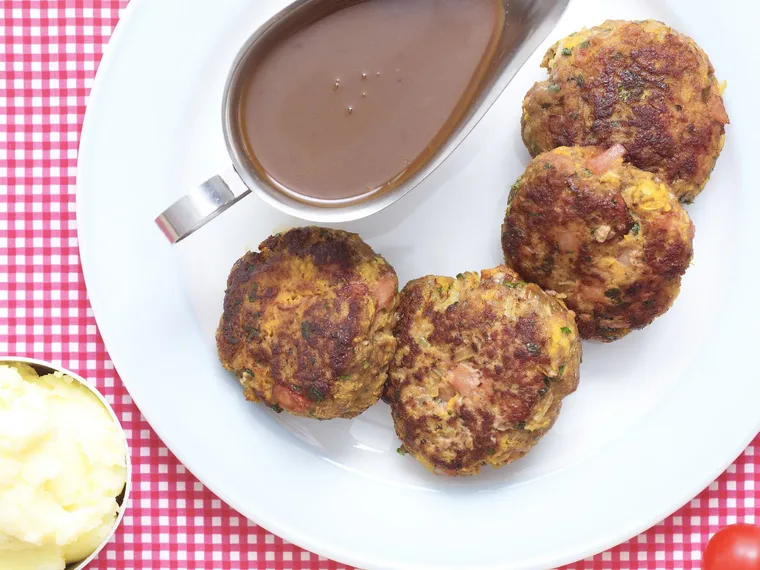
x,y
43,367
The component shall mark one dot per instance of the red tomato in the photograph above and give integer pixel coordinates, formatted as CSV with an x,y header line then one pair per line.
x,y
735,547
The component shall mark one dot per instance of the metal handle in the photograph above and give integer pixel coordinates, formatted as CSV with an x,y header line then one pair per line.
x,y
202,205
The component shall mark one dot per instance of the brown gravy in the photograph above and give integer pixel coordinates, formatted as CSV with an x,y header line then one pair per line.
x,y
354,102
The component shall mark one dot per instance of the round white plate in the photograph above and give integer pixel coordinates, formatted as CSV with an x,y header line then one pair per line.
x,y
657,415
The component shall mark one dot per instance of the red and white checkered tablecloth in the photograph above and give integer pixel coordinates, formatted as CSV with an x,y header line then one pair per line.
x,y
49,52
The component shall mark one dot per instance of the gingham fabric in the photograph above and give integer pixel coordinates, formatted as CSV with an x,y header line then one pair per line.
x,y
50,51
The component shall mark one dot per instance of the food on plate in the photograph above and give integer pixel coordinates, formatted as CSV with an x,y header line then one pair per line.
x,y
62,466
639,84
307,323
482,365
611,239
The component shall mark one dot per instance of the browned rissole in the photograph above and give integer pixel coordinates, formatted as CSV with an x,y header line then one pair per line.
x,y
482,365
307,323
639,84
611,239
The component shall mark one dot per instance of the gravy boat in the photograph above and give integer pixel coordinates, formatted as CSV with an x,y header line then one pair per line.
x,y
525,26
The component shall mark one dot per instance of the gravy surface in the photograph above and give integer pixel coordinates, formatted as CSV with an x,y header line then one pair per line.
x,y
354,102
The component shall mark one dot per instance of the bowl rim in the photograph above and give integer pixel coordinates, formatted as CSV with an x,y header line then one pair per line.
x,y
80,565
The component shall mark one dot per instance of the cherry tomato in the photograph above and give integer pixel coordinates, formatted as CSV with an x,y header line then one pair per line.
x,y
735,547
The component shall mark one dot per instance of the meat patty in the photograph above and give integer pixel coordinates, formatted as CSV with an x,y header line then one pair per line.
x,y
307,323
611,239
639,84
482,365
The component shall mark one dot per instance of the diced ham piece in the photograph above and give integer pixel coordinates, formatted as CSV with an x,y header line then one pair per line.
x,y
289,400
567,241
464,379
593,293
630,257
384,291
601,163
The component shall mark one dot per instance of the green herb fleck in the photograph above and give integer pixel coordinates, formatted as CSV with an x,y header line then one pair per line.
x,y
521,425
460,276
553,88
513,190
612,293
547,265
491,451
440,290
423,342
533,348
623,94
401,450
307,329
254,292
583,44
566,330
366,364
567,52
276,408
588,172
548,166
315,394
635,228
561,369
345,377
514,284
516,184
247,372
578,80
250,331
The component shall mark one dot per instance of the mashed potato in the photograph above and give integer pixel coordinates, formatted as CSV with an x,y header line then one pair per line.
x,y
62,465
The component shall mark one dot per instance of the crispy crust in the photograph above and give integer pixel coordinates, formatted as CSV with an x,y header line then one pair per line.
x,y
521,342
307,323
613,245
640,84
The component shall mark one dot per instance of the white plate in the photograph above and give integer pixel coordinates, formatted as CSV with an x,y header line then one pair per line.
x,y
657,416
